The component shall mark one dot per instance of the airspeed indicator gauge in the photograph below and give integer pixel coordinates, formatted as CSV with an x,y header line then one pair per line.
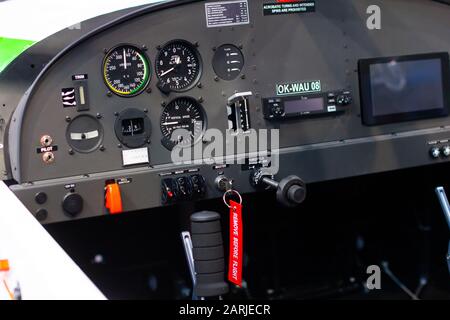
x,y
126,70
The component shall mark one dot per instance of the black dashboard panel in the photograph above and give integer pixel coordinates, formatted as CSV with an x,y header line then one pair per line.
x,y
275,56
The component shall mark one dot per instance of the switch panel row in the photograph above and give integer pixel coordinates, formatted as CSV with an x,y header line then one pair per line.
x,y
183,188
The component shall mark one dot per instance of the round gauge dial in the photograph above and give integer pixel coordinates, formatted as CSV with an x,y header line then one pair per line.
x,y
228,62
126,70
84,134
178,66
183,123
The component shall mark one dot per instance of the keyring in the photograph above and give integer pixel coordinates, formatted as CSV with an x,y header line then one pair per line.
x,y
233,192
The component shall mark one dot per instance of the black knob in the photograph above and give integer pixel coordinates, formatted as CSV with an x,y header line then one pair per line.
x,y
41,214
40,197
72,204
208,254
291,191
277,110
296,194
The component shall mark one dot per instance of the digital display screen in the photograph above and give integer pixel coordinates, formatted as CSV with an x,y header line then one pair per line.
x,y
395,89
303,105
409,86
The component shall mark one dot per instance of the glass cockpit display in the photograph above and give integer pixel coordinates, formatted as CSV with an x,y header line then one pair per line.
x,y
404,88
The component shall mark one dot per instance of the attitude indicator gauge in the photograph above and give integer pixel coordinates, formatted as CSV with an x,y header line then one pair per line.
x,y
126,70
178,66
183,123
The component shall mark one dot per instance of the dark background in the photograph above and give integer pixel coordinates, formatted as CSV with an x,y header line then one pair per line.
x,y
309,252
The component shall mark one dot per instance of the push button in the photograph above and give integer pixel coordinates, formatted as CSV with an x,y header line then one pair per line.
x,y
113,198
72,204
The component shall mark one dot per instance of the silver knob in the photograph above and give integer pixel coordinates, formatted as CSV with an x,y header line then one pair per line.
x,y
446,151
435,152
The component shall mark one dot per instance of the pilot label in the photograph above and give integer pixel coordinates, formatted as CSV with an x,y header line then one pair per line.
x,y
299,6
298,87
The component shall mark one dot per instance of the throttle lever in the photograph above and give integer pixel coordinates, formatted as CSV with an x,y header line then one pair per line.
x,y
291,191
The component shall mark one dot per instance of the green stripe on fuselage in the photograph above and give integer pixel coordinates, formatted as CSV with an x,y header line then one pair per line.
x,y
10,49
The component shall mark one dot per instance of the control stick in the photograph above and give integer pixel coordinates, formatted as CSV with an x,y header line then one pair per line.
x,y
291,191
208,255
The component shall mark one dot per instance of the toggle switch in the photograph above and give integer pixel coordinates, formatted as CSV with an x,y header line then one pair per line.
x,y
113,198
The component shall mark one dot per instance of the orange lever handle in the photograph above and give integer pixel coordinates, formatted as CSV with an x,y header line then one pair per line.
x,y
113,199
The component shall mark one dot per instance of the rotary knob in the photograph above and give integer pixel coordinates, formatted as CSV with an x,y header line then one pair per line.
x,y
446,151
72,204
277,110
435,152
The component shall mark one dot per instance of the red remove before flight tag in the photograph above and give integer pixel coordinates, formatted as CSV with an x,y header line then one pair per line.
x,y
236,244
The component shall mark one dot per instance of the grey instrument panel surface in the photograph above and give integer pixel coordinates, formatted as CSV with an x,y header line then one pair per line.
x,y
324,45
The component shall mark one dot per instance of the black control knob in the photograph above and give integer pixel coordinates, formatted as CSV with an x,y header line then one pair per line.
x,y
296,194
208,252
277,110
72,204
344,100
291,191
